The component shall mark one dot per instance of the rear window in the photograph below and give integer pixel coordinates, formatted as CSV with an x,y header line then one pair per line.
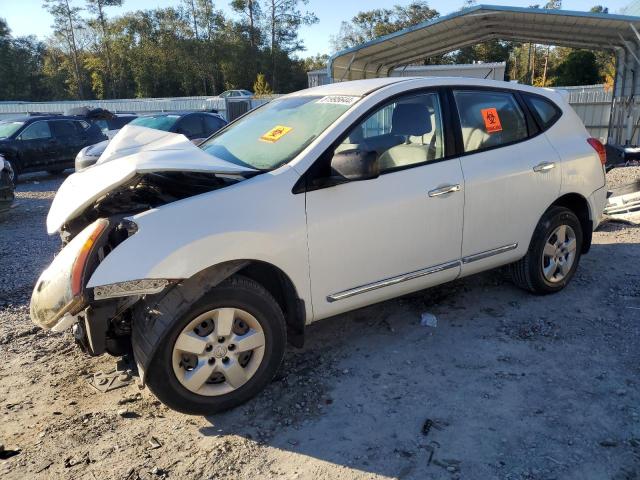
x,y
489,119
546,110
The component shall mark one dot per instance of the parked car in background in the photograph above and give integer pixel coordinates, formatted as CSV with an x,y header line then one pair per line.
x,y
111,126
45,142
106,121
236,94
205,261
196,126
6,185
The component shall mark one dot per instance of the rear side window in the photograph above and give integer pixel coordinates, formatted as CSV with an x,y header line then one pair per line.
x,y
546,110
63,129
489,119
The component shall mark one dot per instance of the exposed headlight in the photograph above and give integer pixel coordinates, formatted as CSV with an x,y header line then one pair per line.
x,y
60,288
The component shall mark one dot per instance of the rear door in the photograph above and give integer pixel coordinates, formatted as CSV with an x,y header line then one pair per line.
x,y
71,139
512,175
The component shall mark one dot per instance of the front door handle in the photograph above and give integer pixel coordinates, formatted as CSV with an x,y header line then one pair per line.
x,y
544,167
444,190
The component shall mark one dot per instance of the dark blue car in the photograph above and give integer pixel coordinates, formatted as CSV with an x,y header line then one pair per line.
x,y
45,143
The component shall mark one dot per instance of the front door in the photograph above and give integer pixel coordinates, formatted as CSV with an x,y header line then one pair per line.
x,y
36,146
375,239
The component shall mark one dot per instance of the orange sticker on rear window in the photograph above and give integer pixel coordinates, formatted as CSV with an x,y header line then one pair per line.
x,y
275,134
491,120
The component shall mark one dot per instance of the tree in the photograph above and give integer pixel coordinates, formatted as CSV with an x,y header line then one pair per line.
x,y
370,24
316,62
599,9
97,8
66,20
260,87
579,68
284,19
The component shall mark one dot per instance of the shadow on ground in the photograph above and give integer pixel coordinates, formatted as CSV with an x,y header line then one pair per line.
x,y
507,383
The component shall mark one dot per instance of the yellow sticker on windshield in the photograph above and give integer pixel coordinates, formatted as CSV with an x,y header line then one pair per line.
x,y
275,134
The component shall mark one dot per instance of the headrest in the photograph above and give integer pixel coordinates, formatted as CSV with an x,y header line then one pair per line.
x,y
411,119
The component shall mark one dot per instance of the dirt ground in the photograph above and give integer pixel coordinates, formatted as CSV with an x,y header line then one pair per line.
x,y
507,385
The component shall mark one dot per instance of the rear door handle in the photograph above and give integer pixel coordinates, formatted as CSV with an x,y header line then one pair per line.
x,y
544,167
444,190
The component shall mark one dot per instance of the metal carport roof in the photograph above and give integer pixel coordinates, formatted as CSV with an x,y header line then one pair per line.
x,y
485,22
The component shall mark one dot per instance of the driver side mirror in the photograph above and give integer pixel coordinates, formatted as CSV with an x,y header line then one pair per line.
x,y
355,165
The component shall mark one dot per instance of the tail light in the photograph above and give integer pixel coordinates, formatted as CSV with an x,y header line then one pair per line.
x,y
599,148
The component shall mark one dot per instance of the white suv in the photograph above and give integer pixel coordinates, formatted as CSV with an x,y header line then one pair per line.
x,y
203,261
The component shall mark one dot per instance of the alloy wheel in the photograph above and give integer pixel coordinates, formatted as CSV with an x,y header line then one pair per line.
x,y
559,254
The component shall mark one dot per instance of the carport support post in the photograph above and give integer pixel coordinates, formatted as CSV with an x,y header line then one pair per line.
x,y
614,136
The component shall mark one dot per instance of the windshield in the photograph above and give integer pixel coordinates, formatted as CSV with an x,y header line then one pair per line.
x,y
274,134
160,122
9,128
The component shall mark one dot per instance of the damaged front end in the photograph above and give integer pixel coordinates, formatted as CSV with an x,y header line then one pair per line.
x,y
61,300
93,213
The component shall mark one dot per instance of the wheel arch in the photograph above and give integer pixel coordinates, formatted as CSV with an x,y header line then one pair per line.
x,y
149,324
580,207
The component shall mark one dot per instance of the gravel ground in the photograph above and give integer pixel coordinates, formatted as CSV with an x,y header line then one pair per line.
x,y
507,385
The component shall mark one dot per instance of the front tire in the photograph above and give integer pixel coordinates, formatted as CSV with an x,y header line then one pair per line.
x,y
553,255
222,351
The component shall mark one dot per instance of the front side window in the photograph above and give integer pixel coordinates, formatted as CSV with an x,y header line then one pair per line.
x,y
36,131
489,119
190,126
276,133
9,128
212,124
407,131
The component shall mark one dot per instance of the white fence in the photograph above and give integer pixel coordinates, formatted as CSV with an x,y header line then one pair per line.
x,y
592,103
133,105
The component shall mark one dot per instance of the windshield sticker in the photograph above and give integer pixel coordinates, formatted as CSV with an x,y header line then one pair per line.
x,y
491,120
339,100
275,134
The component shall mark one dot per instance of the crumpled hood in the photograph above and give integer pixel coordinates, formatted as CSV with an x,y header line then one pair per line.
x,y
133,151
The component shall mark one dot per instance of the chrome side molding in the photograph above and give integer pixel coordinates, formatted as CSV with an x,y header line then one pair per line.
x,y
418,273
489,253
392,281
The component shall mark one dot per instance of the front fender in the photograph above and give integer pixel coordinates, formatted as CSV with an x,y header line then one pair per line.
x,y
257,219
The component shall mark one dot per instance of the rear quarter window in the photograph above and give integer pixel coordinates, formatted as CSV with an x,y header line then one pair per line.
x,y
546,111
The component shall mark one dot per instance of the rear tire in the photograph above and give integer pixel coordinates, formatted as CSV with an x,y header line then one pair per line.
x,y
173,367
553,255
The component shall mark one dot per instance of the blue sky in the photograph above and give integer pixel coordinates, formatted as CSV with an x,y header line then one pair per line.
x,y
27,17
